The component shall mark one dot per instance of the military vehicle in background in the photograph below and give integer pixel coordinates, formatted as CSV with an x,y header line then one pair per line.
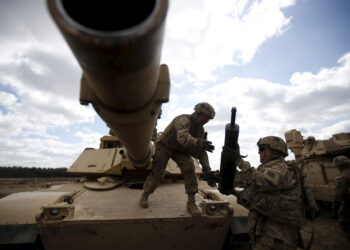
x,y
316,159
118,46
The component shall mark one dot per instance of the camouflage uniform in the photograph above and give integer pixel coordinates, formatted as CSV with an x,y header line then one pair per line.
x,y
183,139
274,200
178,141
342,192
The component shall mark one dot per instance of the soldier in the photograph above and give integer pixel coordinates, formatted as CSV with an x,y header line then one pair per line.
x,y
273,197
184,137
310,141
342,192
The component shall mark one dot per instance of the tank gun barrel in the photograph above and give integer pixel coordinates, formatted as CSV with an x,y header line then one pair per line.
x,y
118,46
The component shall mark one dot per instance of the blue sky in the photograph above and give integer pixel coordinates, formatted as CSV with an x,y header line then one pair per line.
x,y
284,64
317,37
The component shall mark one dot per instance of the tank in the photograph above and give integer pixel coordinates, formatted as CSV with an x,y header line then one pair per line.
x,y
316,158
119,53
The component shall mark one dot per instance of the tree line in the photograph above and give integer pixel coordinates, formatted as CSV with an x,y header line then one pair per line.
x,y
15,172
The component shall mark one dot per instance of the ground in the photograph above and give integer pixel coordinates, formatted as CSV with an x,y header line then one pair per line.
x,y
15,185
327,232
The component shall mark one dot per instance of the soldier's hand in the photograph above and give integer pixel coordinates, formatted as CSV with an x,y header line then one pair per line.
x,y
208,146
205,145
210,178
243,165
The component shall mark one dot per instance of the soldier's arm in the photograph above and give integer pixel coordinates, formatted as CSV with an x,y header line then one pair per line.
x,y
204,161
182,126
203,155
247,172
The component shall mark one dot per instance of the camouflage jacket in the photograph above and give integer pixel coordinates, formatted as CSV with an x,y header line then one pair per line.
x,y
272,179
181,135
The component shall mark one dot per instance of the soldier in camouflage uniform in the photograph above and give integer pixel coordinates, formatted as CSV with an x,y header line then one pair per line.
x,y
183,139
273,197
342,192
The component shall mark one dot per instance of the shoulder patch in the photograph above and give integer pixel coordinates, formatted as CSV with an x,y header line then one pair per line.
x,y
272,176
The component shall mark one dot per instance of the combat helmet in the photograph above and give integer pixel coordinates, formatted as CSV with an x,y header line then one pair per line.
x,y
310,139
205,108
341,161
275,143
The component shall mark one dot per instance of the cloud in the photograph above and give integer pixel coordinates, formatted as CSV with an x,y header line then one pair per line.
x,y
89,137
45,91
204,35
42,76
317,104
7,99
39,81
39,88
39,152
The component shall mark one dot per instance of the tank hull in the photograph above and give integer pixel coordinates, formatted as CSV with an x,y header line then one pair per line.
x,y
113,219
169,233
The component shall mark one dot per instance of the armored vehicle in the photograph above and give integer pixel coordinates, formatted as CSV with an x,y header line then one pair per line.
x,y
118,46
102,210
316,158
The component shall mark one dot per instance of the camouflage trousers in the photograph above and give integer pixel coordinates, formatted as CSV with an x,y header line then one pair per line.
x,y
267,243
160,161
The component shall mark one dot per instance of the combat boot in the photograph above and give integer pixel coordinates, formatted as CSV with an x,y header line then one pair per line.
x,y
144,200
192,207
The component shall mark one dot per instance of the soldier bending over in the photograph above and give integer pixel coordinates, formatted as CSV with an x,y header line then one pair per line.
x,y
183,139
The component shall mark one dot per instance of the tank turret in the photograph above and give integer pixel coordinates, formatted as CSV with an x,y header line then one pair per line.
x,y
316,158
111,159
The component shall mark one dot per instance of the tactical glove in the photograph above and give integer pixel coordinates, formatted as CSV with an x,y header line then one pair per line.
x,y
203,144
243,165
210,178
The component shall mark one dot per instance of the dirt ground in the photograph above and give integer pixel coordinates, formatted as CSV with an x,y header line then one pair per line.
x,y
15,185
327,232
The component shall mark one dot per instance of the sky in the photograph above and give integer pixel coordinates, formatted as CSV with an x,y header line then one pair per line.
x,y
283,64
